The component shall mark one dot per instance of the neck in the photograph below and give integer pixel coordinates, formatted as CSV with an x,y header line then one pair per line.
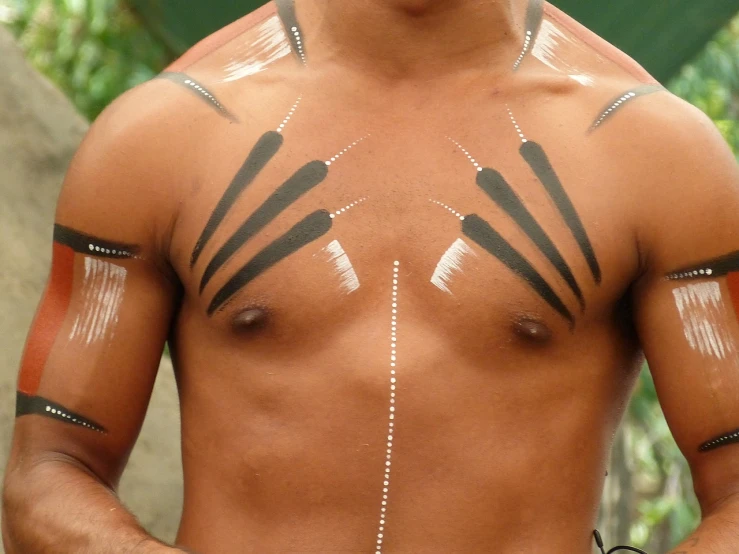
x,y
407,38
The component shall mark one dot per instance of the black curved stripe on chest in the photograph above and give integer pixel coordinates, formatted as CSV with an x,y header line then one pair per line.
x,y
537,159
263,151
480,231
305,179
306,231
496,187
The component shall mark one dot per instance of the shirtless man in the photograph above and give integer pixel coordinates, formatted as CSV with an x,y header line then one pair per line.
x,y
407,253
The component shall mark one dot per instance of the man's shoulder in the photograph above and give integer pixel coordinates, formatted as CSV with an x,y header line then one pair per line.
x,y
220,39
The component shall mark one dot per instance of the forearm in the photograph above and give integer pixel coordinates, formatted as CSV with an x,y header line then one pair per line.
x,y
718,533
58,508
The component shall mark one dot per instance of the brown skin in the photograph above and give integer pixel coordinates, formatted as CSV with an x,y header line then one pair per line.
x,y
504,413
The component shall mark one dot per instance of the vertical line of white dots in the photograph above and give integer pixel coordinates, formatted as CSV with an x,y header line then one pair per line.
x,y
299,42
518,129
391,422
526,46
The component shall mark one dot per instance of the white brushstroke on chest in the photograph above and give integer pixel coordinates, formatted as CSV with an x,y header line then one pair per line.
x,y
705,319
271,44
450,264
343,266
102,289
547,43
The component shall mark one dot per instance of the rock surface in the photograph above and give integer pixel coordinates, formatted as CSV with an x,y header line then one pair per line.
x,y
39,132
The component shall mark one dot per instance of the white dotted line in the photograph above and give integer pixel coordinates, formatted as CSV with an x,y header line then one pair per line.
x,y
616,105
205,93
124,253
721,440
452,210
466,153
689,274
350,206
345,150
65,415
289,115
299,42
526,46
518,129
391,422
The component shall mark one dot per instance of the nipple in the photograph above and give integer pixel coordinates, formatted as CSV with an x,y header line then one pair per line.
x,y
532,329
250,318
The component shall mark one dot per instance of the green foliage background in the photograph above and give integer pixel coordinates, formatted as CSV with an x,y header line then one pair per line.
x,y
96,49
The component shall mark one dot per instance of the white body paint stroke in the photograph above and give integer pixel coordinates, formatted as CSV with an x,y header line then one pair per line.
x,y
269,45
102,289
450,264
705,319
391,418
545,50
348,277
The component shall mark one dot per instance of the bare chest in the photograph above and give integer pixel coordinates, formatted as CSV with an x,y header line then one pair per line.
x,y
310,220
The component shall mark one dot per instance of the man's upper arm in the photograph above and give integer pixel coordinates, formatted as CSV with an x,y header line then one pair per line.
x,y
687,301
94,348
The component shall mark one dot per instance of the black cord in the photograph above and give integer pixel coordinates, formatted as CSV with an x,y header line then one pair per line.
x,y
599,542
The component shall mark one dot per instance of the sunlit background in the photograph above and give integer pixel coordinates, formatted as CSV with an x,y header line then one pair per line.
x,y
96,49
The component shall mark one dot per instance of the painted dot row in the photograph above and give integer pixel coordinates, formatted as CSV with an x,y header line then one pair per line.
x,y
60,413
350,206
345,150
625,98
289,115
452,210
721,440
94,248
518,129
696,273
466,153
299,42
205,93
526,46
391,424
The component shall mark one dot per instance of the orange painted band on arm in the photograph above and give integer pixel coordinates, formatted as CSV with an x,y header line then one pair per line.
x,y
48,320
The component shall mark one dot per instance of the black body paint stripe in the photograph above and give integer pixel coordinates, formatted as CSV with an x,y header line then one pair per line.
x,y
534,17
93,246
35,405
200,91
617,103
264,150
488,238
717,267
286,12
496,187
537,159
303,233
718,442
306,178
